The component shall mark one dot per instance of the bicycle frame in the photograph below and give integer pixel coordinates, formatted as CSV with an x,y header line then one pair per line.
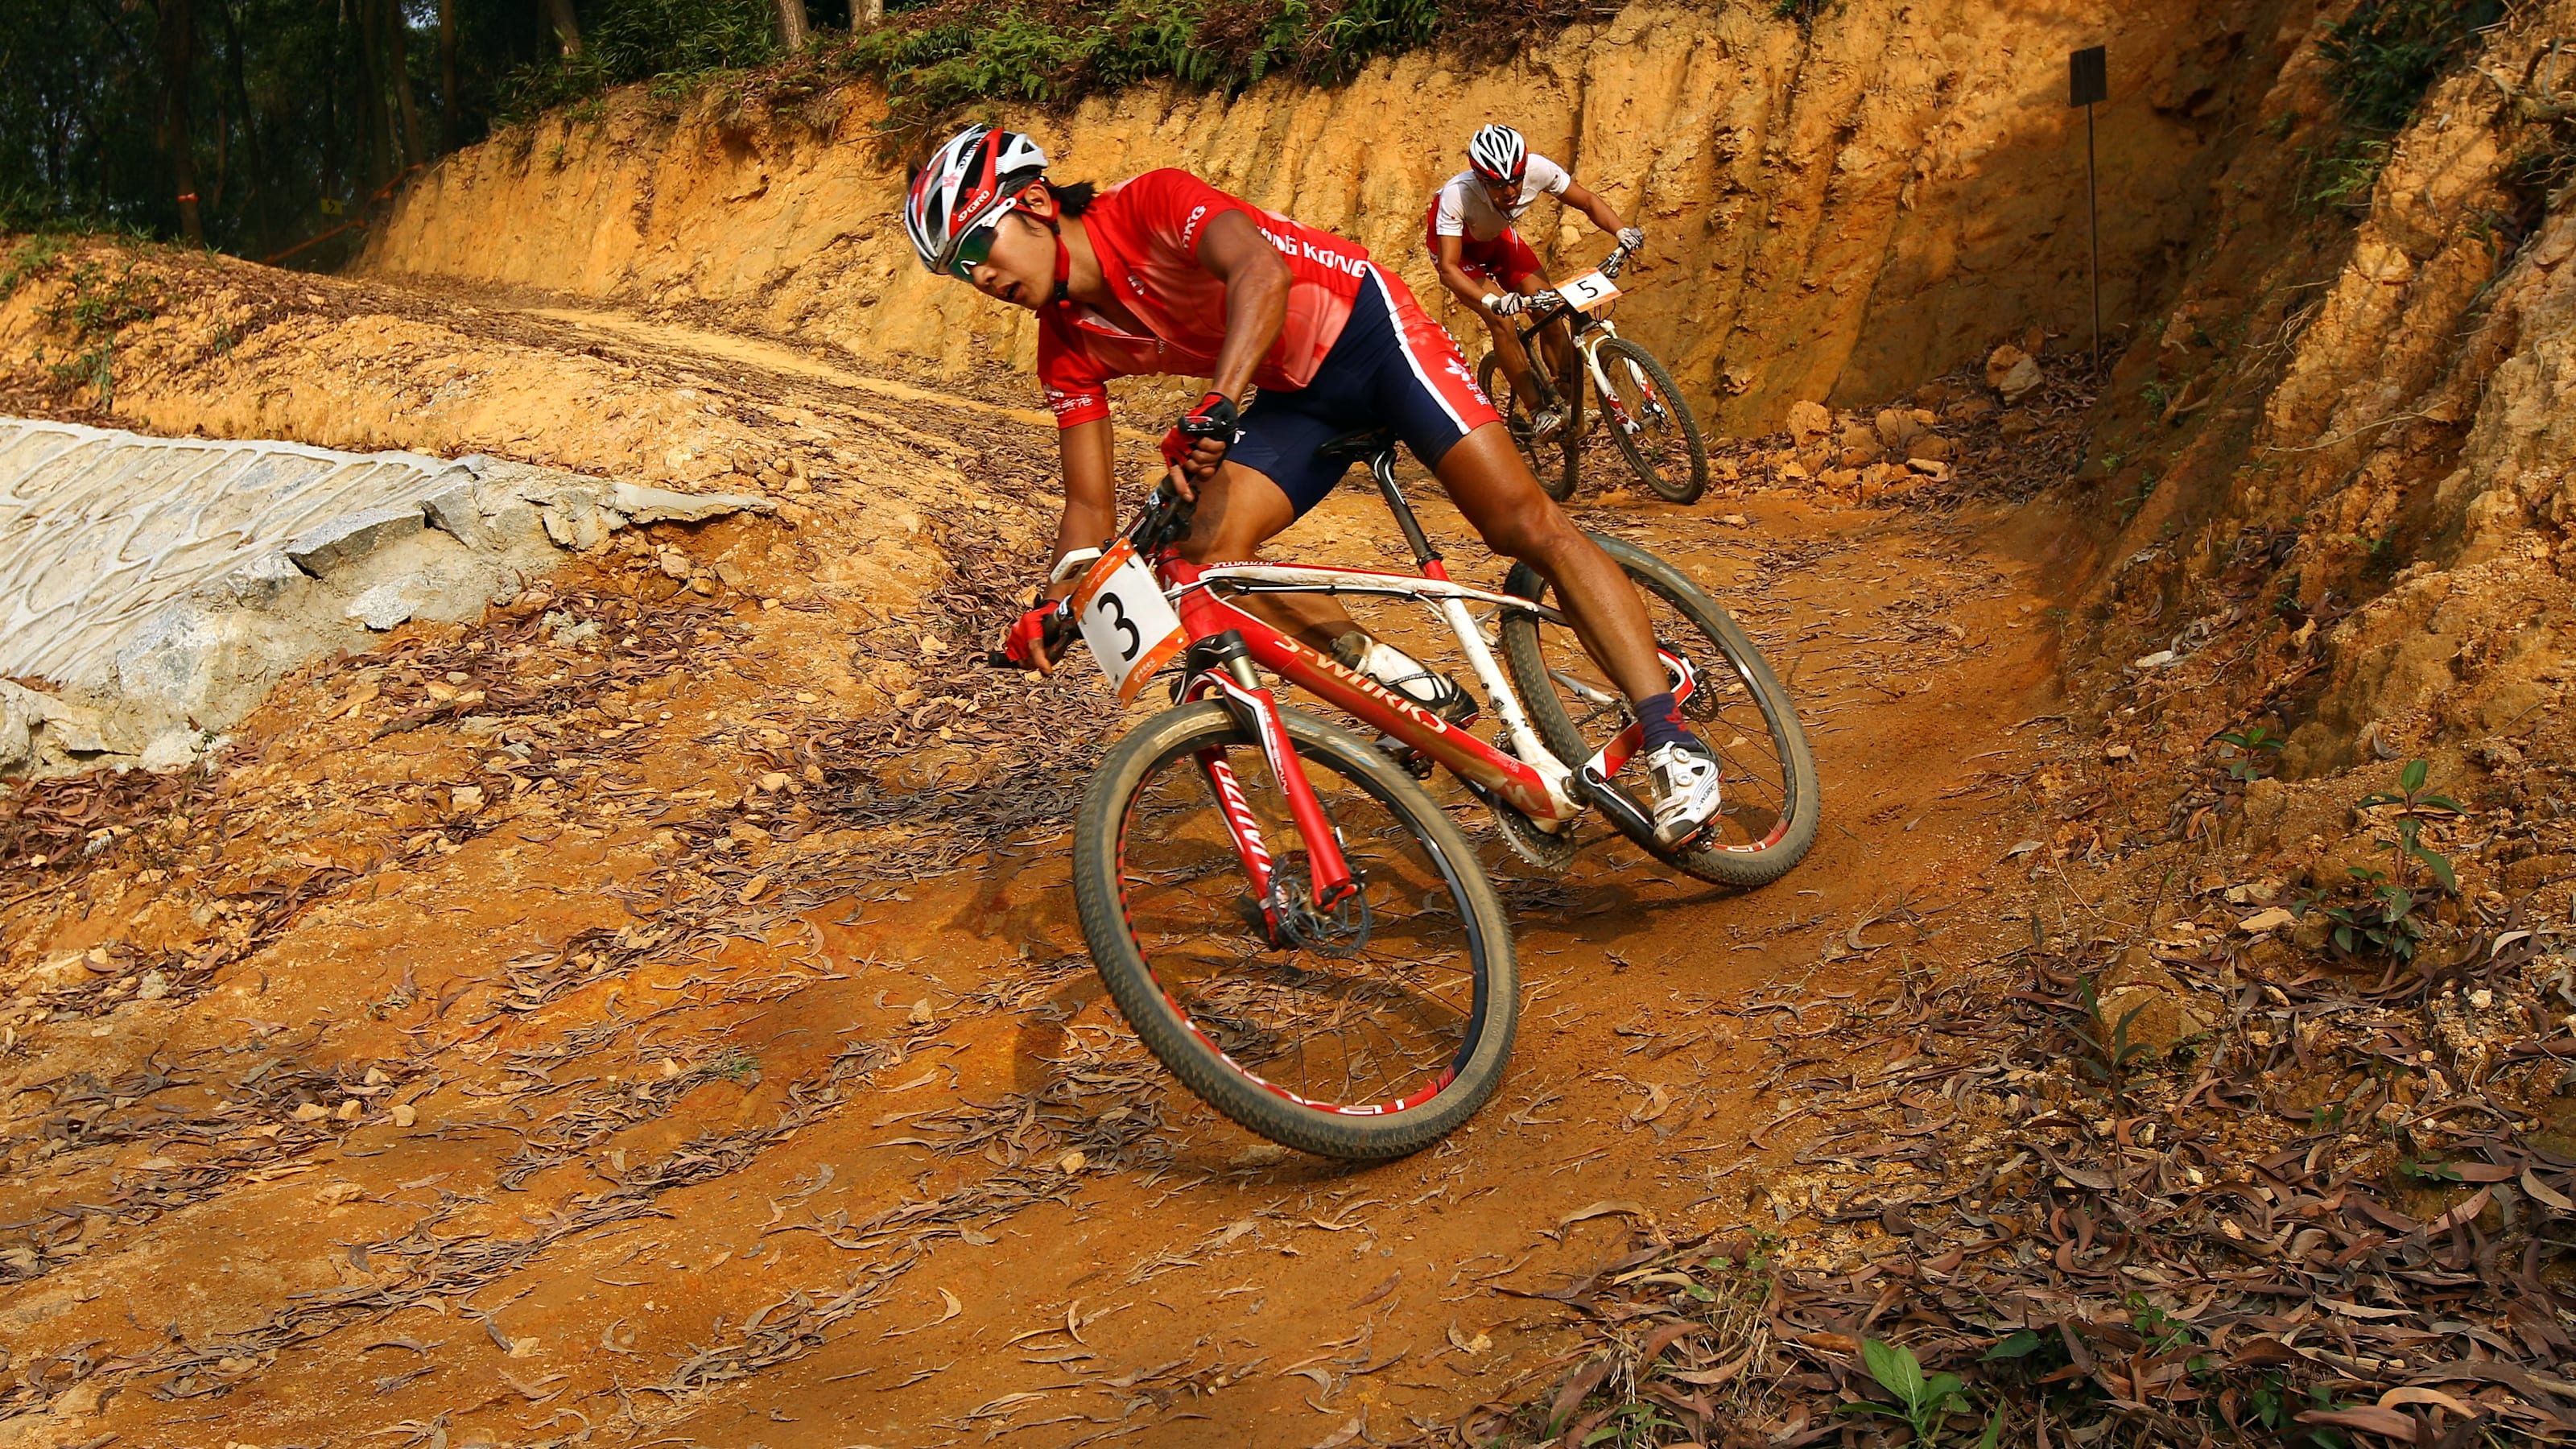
x,y
1589,332
1226,642
1587,341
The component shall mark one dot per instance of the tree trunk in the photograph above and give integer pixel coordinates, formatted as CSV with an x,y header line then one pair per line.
x,y
259,212
791,24
866,15
397,32
559,18
371,98
450,130
178,39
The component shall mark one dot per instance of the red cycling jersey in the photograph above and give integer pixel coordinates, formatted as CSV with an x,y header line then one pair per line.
x,y
1146,232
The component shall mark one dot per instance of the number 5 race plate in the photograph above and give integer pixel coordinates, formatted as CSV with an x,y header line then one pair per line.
x,y
1126,620
1586,292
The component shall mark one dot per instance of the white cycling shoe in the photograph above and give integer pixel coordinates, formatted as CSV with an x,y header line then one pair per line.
x,y
1686,780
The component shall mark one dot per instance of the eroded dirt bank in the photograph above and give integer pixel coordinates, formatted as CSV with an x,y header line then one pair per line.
x,y
483,1053
1835,209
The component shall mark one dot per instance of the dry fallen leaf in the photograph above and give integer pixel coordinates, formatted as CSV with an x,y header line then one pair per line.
x,y
954,1308
1657,1103
1380,1291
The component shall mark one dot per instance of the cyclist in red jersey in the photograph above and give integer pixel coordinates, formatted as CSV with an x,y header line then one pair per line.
x,y
1473,246
1166,274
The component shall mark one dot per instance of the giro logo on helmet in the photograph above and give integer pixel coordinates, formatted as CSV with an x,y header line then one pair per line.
x,y
968,184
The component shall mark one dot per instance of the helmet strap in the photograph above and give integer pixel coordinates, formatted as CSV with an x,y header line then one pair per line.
x,y
1063,263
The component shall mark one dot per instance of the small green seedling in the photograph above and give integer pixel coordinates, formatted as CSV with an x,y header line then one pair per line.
x,y
1921,1401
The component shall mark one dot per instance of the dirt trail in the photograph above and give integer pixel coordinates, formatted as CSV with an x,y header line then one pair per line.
x,y
720,1058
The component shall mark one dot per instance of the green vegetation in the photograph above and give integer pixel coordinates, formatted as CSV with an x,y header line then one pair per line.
x,y
93,308
2380,60
633,40
2250,745
278,128
2386,917
1923,1402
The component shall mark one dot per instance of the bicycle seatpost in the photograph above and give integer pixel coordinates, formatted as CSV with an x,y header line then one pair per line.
x,y
1382,467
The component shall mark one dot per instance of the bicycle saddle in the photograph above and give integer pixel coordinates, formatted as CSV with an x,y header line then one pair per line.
x,y
1357,447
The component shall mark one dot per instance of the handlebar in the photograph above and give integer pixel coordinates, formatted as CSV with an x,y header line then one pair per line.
x,y
1542,307
1165,517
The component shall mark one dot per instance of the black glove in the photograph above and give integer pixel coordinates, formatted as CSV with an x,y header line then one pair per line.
x,y
1215,417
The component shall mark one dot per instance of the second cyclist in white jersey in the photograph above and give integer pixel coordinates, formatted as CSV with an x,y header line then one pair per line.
x,y
1483,261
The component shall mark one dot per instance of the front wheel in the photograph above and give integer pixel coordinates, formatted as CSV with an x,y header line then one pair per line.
x,y
1738,708
1552,461
1654,428
1366,1030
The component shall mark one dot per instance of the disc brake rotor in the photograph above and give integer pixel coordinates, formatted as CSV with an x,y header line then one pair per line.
x,y
1340,930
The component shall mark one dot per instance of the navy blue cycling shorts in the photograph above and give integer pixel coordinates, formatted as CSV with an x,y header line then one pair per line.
x,y
1392,367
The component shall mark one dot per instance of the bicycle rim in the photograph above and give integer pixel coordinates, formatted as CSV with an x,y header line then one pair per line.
x,y
1364,1031
1653,428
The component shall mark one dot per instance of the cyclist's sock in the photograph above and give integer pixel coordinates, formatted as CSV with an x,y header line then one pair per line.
x,y
1661,718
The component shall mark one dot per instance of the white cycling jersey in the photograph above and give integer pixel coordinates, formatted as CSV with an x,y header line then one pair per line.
x,y
1468,210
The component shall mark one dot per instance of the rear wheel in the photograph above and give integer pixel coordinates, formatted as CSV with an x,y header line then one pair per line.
x,y
1366,1031
1552,461
1654,428
1738,708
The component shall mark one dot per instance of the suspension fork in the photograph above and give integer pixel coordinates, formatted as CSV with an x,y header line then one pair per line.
x,y
1222,666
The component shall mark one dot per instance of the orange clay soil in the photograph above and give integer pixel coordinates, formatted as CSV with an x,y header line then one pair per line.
x,y
679,1029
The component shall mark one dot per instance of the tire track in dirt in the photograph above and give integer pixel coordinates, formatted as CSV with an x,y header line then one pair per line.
x,y
737,1131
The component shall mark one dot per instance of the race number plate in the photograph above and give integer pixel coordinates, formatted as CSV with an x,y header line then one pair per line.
x,y
1126,620
1586,292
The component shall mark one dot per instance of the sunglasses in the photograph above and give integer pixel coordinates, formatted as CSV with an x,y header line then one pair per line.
x,y
973,250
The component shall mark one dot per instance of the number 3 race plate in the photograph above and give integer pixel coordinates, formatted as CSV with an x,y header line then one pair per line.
x,y
1126,620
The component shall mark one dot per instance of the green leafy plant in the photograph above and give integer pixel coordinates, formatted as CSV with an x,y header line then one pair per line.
x,y
2381,58
2109,1051
1922,1401
2386,918
95,308
34,256
2251,744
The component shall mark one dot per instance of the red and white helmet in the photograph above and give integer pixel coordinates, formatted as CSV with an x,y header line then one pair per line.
x,y
1498,153
967,183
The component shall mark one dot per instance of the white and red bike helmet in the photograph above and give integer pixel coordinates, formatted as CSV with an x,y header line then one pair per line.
x,y
968,183
1497,153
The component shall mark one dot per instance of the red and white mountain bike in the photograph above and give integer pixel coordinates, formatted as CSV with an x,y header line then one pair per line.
x,y
1291,923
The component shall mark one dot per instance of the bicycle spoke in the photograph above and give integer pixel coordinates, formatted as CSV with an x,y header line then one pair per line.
x,y
1362,1007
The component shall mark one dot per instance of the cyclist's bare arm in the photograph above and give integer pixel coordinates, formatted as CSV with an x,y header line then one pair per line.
x,y
1584,199
1450,262
1256,308
1088,451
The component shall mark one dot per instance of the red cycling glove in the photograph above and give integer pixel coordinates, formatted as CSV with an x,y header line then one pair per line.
x,y
1214,417
1034,634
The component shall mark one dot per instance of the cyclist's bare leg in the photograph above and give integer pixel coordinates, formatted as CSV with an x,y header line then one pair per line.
x,y
1563,366
1507,350
1485,476
1239,510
